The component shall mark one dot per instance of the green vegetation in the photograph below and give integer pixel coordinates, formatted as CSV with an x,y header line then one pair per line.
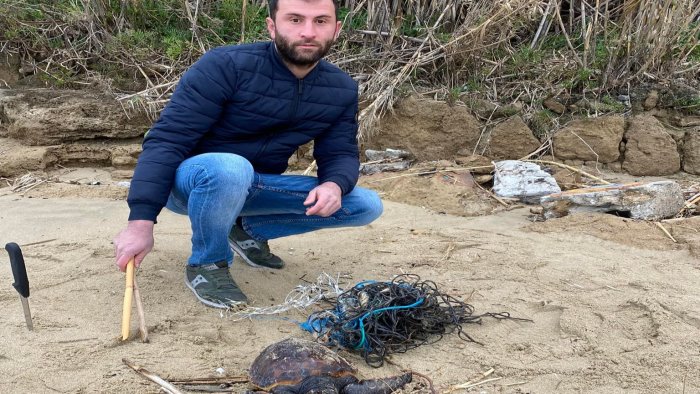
x,y
486,49
541,123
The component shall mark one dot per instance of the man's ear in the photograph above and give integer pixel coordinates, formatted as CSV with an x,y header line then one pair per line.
x,y
338,28
270,27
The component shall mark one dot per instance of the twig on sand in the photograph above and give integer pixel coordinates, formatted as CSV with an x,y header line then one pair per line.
x,y
495,197
554,163
212,381
661,226
139,311
40,242
471,383
514,384
165,385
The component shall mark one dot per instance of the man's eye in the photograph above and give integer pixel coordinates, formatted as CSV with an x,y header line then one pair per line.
x,y
295,20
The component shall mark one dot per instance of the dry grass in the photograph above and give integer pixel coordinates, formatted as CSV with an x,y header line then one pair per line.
x,y
503,50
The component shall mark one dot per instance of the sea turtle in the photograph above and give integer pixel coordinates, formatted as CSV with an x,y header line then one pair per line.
x,y
298,366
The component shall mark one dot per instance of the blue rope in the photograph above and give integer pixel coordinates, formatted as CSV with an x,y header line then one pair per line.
x,y
320,325
363,341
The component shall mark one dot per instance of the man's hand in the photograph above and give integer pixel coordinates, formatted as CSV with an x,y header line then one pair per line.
x,y
135,241
323,200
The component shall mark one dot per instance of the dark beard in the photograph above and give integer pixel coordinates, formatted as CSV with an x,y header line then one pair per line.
x,y
288,52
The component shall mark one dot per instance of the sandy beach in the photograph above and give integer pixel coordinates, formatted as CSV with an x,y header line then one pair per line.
x,y
614,302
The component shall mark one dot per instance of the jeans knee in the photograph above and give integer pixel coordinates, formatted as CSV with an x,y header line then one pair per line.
x,y
229,171
372,207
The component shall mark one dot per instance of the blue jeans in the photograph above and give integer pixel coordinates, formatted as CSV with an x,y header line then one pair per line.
x,y
214,189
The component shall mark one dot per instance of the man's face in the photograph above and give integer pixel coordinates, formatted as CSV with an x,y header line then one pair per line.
x,y
304,30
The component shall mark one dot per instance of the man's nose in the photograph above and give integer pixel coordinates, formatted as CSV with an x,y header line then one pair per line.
x,y
309,30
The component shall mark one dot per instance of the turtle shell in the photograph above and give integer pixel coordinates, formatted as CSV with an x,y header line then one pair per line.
x,y
288,362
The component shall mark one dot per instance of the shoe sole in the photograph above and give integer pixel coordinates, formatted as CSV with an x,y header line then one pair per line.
x,y
233,305
237,249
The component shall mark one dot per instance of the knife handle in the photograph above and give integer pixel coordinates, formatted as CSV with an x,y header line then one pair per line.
x,y
19,271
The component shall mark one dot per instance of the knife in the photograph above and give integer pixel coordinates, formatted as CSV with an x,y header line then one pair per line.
x,y
19,271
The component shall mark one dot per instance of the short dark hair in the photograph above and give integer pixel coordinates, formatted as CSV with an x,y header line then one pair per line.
x,y
272,4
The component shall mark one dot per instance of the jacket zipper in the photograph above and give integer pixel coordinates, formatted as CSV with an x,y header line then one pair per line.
x,y
300,91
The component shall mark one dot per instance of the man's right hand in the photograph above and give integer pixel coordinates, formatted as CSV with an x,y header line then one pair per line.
x,y
135,241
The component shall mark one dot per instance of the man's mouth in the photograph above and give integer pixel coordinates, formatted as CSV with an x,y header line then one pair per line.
x,y
307,45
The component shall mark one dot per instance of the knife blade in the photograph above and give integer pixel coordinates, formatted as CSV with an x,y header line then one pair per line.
x,y
19,271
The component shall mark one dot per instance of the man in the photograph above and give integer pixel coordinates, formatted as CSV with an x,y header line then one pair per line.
x,y
219,147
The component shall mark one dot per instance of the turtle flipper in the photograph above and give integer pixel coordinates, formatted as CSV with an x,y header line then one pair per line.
x,y
378,386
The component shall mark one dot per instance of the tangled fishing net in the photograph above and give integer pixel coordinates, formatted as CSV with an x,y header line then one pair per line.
x,y
380,318
325,288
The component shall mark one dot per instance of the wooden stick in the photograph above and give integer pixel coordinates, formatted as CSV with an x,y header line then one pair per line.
x,y
480,383
661,226
165,385
492,195
139,312
449,169
470,383
212,381
128,295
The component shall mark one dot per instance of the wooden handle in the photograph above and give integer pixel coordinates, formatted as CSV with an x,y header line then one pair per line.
x,y
128,296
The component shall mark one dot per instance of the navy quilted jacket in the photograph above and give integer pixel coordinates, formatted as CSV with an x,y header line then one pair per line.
x,y
244,100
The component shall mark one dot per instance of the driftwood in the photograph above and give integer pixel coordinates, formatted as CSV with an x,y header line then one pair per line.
x,y
131,291
164,385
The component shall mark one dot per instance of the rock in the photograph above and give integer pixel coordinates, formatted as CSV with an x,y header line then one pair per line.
x,y
9,69
554,106
51,117
650,150
482,164
688,121
691,152
387,154
481,179
651,100
123,161
596,139
615,166
512,140
369,169
17,160
598,106
522,180
648,201
482,108
79,154
567,179
423,126
122,174
508,110
386,160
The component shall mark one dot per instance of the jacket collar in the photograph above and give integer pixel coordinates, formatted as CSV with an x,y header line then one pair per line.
x,y
279,64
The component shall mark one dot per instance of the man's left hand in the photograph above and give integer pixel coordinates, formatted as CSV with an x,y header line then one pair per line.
x,y
324,200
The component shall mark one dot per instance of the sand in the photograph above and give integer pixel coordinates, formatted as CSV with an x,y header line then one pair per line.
x,y
614,302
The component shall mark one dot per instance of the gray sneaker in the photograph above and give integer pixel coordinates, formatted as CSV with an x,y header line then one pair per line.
x,y
213,286
255,253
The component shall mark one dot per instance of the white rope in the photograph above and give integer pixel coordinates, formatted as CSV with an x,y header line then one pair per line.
x,y
300,298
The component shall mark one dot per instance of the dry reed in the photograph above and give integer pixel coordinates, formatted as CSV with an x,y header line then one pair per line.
x,y
393,46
